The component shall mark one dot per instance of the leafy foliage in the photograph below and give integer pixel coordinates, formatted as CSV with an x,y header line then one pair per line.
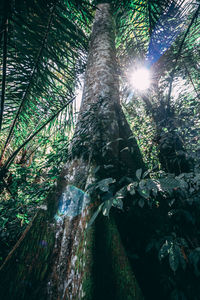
x,y
167,207
44,51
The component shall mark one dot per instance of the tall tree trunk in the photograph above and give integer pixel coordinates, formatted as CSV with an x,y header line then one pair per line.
x,y
56,257
171,151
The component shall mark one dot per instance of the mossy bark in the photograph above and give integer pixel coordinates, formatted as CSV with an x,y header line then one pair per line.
x,y
56,258
113,273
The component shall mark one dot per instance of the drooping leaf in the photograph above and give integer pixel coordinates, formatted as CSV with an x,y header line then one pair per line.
x,y
139,174
104,184
174,257
94,216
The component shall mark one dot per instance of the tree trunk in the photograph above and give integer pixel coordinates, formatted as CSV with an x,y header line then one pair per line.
x,y
57,258
171,152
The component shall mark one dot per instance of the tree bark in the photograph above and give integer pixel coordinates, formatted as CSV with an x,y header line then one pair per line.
x,y
57,258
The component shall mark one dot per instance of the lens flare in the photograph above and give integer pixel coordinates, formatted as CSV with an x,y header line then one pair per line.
x,y
140,79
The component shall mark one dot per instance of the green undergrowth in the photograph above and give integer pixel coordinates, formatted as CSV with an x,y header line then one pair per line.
x,y
158,218
27,189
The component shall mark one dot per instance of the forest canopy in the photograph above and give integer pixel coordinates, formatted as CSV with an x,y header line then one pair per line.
x,y
44,60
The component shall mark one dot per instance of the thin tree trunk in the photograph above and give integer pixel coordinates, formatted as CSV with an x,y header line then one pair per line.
x,y
57,258
172,155
5,41
171,152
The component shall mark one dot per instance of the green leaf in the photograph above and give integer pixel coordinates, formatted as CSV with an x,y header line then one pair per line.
x,y
141,203
107,206
168,184
138,173
103,185
194,258
174,257
146,173
131,188
164,250
20,216
117,202
94,216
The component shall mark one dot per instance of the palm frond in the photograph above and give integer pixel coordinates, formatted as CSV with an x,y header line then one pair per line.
x,y
46,50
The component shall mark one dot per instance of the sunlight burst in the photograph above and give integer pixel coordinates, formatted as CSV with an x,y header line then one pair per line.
x,y
140,79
